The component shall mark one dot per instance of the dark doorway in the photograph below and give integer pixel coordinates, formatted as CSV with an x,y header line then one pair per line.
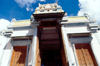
x,y
50,44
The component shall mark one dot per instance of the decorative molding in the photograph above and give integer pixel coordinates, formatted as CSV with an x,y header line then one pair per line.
x,y
93,27
7,32
21,42
80,40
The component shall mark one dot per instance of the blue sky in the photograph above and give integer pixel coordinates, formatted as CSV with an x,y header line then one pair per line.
x,y
11,9
22,9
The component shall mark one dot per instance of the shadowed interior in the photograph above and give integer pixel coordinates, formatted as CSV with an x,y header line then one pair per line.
x,y
50,44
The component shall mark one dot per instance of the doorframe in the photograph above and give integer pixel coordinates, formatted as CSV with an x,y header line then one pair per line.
x,y
27,53
74,41
73,46
65,42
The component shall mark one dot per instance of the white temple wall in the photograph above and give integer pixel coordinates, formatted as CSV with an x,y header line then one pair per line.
x,y
5,51
98,36
3,41
8,44
2,45
5,58
95,48
79,29
25,32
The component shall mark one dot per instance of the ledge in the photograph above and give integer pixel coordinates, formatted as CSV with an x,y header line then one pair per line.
x,y
49,15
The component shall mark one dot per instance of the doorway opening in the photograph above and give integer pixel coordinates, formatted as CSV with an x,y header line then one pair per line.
x,y
51,47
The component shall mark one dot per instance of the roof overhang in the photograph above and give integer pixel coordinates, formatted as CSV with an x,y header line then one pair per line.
x,y
49,15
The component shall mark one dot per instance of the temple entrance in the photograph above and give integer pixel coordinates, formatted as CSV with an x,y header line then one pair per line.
x,y
50,45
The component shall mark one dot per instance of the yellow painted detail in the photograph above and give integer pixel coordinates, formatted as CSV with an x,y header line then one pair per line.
x,y
78,19
21,23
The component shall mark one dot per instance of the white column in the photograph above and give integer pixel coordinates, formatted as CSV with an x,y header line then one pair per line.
x,y
75,55
70,54
34,46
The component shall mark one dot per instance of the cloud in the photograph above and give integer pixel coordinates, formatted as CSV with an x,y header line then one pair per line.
x,y
27,3
29,9
22,3
42,0
92,7
3,24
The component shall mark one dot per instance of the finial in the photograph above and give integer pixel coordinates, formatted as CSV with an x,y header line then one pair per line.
x,y
13,20
86,14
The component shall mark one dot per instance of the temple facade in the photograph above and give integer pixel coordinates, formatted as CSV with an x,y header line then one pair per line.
x,y
51,38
